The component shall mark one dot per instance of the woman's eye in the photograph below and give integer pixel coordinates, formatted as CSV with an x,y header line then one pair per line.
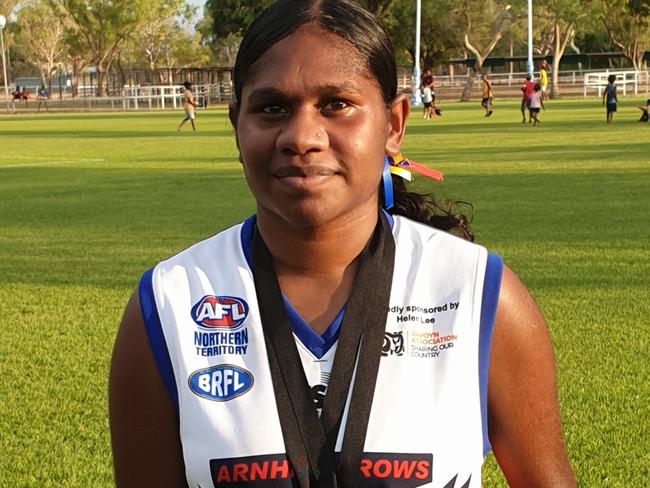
x,y
273,109
336,105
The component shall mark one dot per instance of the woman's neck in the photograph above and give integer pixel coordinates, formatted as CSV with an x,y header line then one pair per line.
x,y
316,250
316,267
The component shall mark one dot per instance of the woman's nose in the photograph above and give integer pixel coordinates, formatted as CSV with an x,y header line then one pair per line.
x,y
303,132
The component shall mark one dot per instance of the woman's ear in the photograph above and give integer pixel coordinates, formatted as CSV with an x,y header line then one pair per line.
x,y
397,116
233,115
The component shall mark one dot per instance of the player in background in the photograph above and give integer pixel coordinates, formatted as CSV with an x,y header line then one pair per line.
x,y
536,102
526,91
189,105
488,95
428,94
43,95
645,111
609,96
543,79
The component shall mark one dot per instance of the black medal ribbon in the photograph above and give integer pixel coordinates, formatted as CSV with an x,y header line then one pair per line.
x,y
310,441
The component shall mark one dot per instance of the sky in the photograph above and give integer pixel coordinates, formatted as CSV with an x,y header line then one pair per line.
x,y
198,3
199,12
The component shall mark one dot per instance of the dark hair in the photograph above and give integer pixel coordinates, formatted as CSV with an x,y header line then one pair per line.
x,y
449,216
344,18
537,87
611,78
187,84
361,29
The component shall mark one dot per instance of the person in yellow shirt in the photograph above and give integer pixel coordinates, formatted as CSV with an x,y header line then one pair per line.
x,y
188,104
543,78
488,96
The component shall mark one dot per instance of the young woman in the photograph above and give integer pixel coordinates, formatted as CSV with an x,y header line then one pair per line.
x,y
330,340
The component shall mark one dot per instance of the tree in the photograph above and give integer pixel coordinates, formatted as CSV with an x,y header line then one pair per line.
x,y
163,33
6,8
187,50
225,49
627,23
102,26
439,39
41,36
483,23
233,16
559,20
76,56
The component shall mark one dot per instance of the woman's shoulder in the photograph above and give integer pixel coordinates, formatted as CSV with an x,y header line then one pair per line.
x,y
226,243
406,228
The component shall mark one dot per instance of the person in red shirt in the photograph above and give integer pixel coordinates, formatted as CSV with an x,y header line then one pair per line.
x,y
527,90
15,96
24,95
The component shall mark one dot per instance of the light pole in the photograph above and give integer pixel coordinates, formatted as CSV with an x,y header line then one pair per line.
x,y
416,99
3,22
530,66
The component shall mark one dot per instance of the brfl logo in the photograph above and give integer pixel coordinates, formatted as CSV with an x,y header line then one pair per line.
x,y
220,312
221,383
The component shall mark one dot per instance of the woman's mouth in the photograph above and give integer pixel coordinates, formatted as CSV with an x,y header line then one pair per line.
x,y
304,177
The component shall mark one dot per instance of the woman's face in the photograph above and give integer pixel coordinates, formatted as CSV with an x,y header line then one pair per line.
x,y
313,130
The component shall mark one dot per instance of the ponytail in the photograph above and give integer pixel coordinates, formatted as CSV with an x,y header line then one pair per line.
x,y
425,209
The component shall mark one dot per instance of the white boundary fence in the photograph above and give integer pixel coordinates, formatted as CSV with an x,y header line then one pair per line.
x,y
623,79
170,96
574,80
159,97
151,97
162,96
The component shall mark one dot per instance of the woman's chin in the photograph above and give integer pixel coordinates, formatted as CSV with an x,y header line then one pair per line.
x,y
307,213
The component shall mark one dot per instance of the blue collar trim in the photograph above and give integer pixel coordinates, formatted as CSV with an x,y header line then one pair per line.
x,y
318,345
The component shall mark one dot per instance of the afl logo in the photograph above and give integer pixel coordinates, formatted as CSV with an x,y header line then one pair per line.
x,y
221,383
212,312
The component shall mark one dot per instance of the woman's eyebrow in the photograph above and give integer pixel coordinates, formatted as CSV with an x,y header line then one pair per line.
x,y
344,87
265,93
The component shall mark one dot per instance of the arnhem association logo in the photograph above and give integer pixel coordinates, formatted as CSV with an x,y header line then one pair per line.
x,y
393,344
220,320
221,383
417,344
377,469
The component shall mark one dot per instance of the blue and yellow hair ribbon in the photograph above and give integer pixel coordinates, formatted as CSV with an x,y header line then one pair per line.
x,y
404,168
399,164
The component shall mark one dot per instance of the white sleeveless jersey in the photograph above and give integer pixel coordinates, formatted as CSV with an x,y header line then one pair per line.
x,y
427,424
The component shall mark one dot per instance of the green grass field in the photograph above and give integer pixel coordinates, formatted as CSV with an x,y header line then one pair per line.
x,y
90,201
